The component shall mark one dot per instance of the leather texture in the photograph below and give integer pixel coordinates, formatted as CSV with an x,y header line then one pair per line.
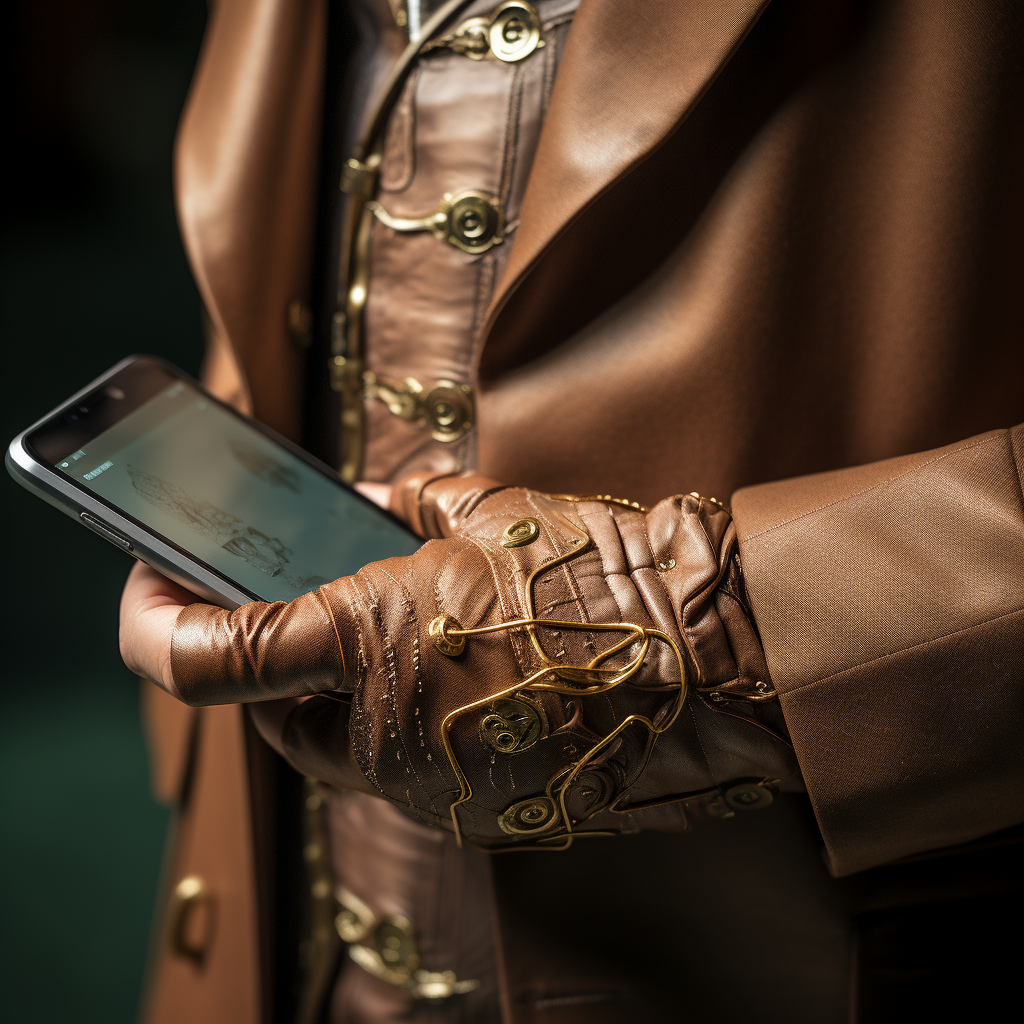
x,y
792,249
420,717
221,928
386,868
460,125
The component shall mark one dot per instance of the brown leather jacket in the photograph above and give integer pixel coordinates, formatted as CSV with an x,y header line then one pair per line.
x,y
759,241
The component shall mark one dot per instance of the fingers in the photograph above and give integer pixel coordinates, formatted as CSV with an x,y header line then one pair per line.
x,y
150,604
315,739
264,651
435,505
379,494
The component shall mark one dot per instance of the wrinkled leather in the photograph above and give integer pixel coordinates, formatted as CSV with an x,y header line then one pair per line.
x,y
368,635
460,124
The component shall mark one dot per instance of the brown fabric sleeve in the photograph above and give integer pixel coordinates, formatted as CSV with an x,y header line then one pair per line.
x,y
889,599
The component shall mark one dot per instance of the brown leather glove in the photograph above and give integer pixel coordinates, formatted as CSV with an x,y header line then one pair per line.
x,y
556,665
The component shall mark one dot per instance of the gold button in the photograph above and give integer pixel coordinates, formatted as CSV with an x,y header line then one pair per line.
x,y
473,222
514,32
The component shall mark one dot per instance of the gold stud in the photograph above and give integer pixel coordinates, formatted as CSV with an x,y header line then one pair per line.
x,y
440,629
520,533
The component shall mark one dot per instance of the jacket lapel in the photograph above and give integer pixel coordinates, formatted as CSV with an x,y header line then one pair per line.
x,y
631,73
246,165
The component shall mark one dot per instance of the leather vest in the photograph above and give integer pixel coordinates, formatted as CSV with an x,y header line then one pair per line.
x,y
456,154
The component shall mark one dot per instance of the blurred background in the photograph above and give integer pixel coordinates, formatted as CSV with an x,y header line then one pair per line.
x,y
92,270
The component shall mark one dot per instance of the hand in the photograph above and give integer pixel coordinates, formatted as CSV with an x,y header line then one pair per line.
x,y
554,665
150,604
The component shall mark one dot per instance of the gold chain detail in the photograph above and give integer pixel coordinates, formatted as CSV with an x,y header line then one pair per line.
x,y
548,813
607,498
511,33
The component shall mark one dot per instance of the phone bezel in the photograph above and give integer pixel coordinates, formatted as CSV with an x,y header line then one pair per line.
x,y
29,467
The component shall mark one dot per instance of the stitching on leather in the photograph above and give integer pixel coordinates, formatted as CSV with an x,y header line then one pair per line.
x,y
511,148
410,606
334,623
873,487
903,650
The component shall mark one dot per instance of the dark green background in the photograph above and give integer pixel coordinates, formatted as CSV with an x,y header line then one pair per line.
x,y
92,270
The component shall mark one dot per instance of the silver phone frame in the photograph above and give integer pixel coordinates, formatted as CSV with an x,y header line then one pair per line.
x,y
147,546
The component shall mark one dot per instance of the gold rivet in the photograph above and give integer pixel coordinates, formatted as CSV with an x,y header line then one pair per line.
x,y
520,533
440,630
669,563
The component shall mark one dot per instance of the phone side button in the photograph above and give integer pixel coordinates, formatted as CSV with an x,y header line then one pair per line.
x,y
100,527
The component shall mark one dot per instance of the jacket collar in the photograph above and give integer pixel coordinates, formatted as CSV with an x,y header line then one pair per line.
x,y
630,75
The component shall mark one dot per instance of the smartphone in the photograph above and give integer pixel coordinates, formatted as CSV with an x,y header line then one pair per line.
x,y
152,462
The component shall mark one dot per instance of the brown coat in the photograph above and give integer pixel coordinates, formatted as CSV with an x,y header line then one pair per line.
x,y
759,241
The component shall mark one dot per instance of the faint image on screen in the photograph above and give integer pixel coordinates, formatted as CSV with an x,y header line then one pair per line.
x,y
233,498
268,554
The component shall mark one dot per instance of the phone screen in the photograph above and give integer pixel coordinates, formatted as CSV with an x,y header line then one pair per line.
x,y
203,478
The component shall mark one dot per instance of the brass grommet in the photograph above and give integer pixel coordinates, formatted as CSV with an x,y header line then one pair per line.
x,y
514,32
520,533
535,814
440,630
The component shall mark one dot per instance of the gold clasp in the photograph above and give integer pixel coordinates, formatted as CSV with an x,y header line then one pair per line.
x,y
445,407
763,692
510,34
470,221
190,896
386,947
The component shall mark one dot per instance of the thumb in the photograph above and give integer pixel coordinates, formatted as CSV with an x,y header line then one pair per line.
x,y
435,505
263,651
